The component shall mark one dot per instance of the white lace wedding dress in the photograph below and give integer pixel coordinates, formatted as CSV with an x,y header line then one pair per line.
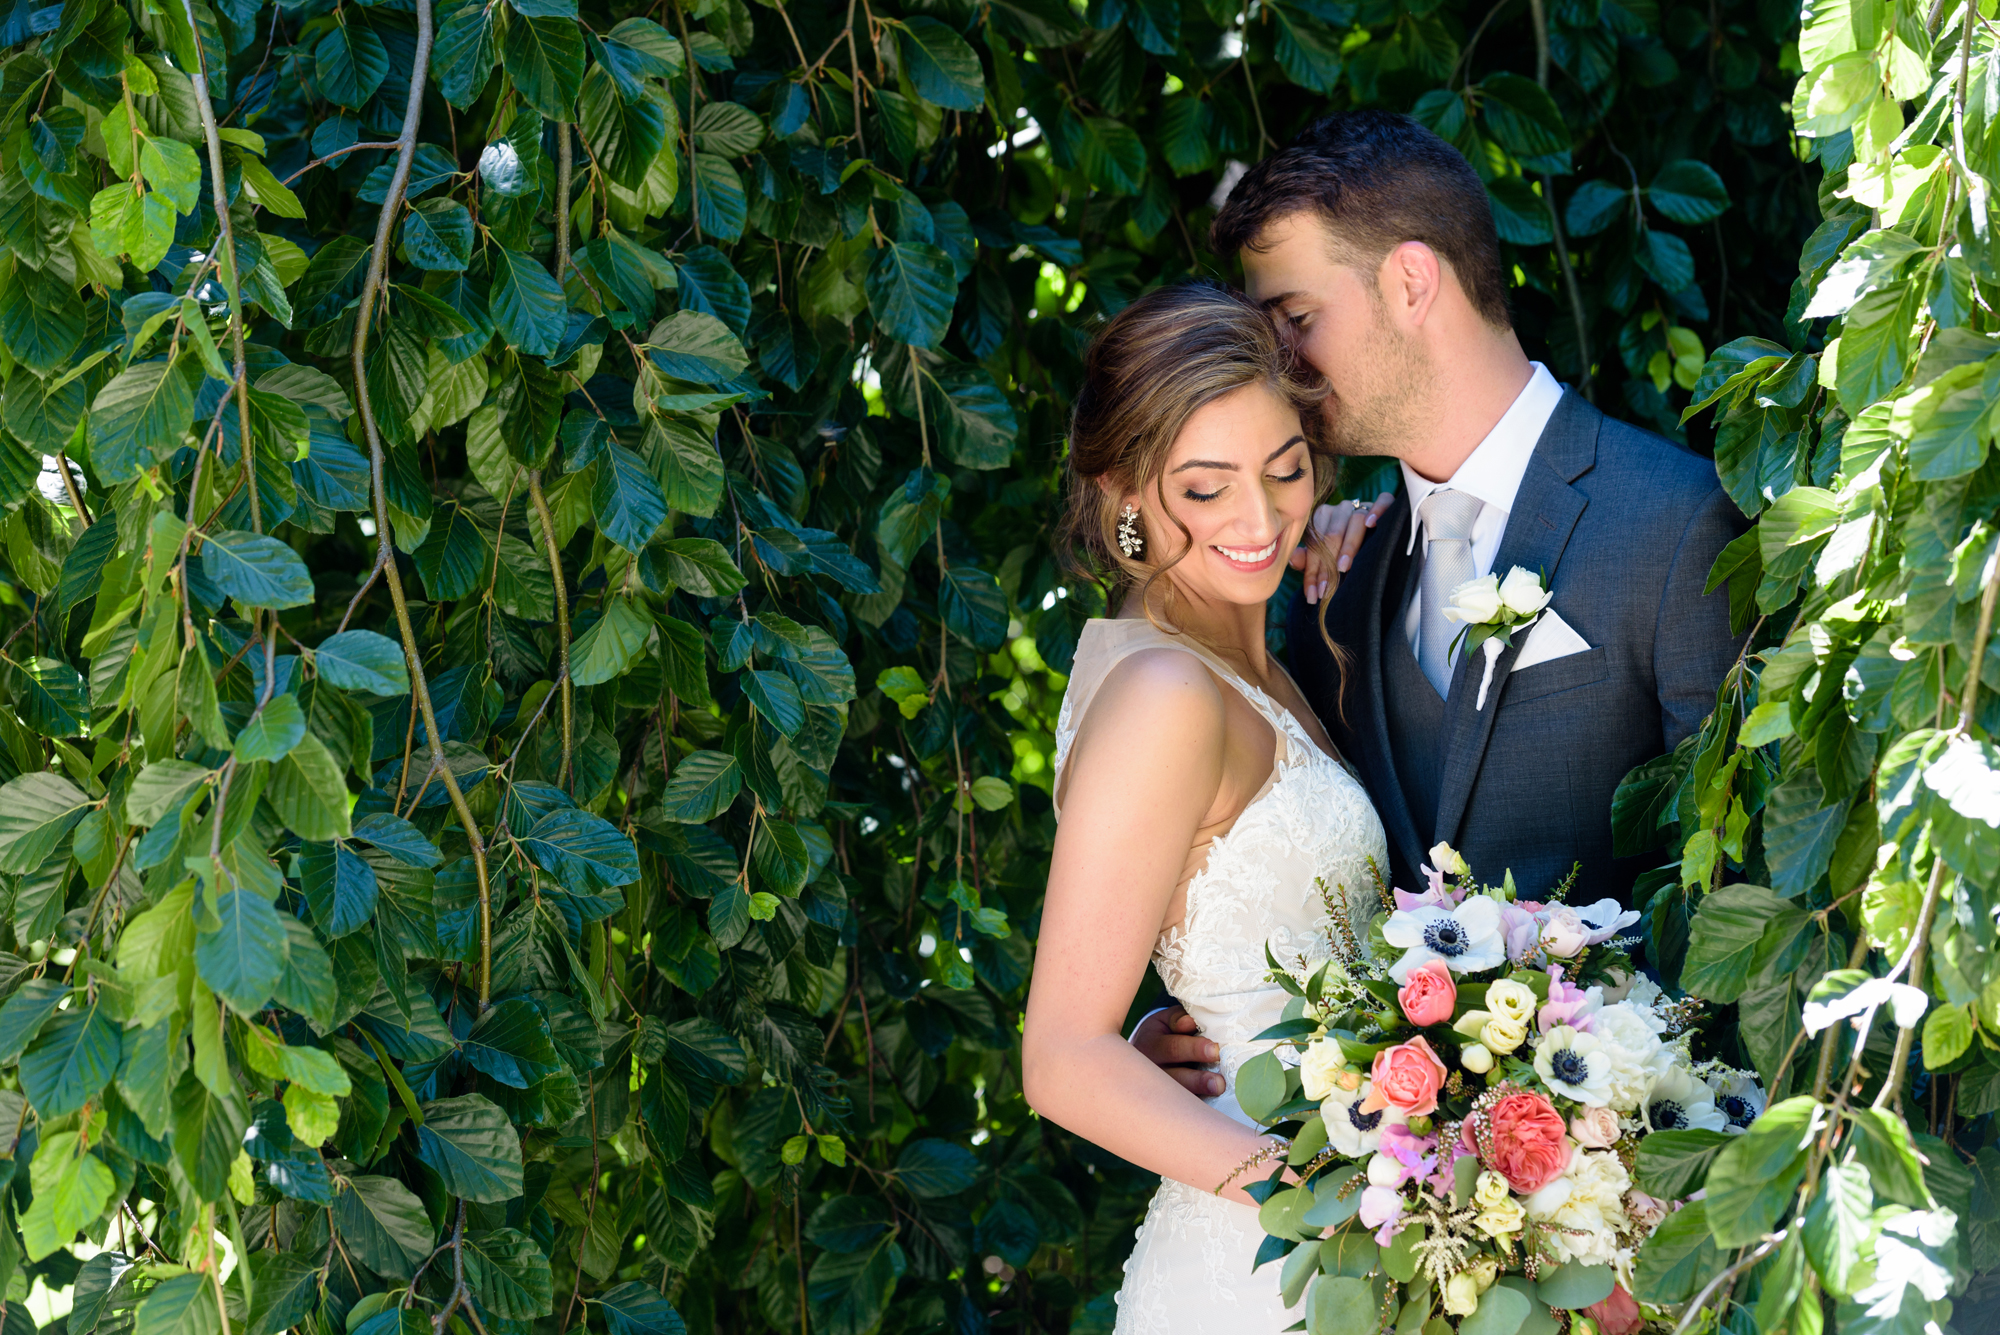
x,y
1310,823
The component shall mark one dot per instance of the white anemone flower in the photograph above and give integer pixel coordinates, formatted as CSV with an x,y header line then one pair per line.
x,y
1574,1064
1349,1130
1679,1102
1605,919
1737,1098
1467,938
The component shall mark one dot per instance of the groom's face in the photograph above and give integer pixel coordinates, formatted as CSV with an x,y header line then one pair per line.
x,y
1335,312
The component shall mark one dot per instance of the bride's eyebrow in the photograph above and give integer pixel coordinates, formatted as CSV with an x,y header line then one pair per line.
x,y
1231,468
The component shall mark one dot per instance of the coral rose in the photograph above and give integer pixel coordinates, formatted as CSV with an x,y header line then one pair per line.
x,y
1531,1146
1429,996
1407,1078
1616,1315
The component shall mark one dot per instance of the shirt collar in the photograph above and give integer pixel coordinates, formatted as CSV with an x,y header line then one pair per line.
x,y
1494,469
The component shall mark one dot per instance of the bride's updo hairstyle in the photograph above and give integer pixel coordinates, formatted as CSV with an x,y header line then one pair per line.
x,y
1159,361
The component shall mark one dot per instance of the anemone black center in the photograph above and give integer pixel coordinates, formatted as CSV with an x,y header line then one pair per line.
x,y
1361,1121
1570,1067
1737,1109
1666,1115
1446,938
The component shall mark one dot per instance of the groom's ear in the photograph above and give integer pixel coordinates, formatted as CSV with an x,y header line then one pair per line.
x,y
1411,279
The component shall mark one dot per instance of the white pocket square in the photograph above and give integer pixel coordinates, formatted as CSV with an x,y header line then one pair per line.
x,y
1549,638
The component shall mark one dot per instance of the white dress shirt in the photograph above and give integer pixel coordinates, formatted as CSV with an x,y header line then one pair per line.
x,y
1493,473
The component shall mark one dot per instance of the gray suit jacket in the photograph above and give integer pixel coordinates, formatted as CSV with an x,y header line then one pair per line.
x,y
1626,526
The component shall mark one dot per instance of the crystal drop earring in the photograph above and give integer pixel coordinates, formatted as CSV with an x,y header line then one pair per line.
x,y
1130,541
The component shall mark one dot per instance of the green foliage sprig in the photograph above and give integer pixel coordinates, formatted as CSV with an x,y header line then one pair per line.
x,y
530,643
1848,776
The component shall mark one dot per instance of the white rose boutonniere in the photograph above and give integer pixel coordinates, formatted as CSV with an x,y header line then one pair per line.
x,y
1491,609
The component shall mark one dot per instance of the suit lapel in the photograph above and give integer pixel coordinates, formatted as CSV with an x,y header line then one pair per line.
x,y
1545,512
1377,756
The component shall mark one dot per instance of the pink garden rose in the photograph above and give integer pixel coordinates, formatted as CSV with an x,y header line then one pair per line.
x,y
1616,1315
1564,934
1595,1128
1531,1146
1407,1078
1429,996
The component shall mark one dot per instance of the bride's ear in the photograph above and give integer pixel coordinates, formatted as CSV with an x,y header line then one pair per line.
x,y
1112,491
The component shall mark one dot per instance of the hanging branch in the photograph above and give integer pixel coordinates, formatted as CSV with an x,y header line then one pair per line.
x,y
371,287
1576,310
232,276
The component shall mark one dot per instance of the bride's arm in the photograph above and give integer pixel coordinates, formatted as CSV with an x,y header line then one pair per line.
x,y
1141,776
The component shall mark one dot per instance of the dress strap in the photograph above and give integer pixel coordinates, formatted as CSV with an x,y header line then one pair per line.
x,y
1107,642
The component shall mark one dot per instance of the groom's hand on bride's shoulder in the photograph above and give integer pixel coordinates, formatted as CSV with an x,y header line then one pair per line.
x,y
1168,1039
1342,528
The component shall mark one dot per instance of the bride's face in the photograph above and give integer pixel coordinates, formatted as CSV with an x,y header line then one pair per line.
x,y
1240,479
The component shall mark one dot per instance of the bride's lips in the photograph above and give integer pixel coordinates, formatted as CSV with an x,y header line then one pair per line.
x,y
1249,560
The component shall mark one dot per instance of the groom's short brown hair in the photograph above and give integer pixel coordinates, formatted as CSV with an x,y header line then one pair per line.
x,y
1376,179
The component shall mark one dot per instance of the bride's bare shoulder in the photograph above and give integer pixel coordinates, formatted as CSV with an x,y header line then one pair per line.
x,y
1167,691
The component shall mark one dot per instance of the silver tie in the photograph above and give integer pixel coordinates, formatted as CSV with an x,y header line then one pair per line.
x,y
1448,518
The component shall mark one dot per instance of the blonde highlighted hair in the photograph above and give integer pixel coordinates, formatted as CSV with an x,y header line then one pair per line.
x,y
1158,362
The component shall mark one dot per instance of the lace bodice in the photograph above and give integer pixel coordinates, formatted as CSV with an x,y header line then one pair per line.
x,y
1309,834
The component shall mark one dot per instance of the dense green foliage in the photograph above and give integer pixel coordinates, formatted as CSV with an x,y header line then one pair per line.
x,y
616,907
1850,771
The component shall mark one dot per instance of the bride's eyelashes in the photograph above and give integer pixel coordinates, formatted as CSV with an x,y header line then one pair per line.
x,y
1191,494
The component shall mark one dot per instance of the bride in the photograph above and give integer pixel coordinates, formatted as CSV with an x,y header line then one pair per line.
x,y
1203,816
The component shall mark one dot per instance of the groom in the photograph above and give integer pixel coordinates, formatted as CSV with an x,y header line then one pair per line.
x,y
1370,239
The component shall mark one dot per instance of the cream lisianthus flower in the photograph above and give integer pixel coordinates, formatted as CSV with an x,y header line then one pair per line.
x,y
1476,600
1448,860
1510,1000
1461,1294
1321,1066
1476,1058
1490,1190
1503,1035
1501,1220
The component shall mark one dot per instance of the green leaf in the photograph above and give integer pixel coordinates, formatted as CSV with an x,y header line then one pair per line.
x,y
71,1191
53,698
1340,1303
437,234
702,787
911,289
605,651
1690,192
180,1305
1837,1226
699,565
139,418
69,1062
1948,1032
638,1309
351,63
242,959
527,304
340,887
473,1147
1673,1164
1523,117
942,68
287,1292
544,57
932,1168
273,732
972,605
509,1275
1574,1285
36,811
383,1225
1752,1179
256,571
1678,1259
308,791
26,1012
511,1044
586,853
626,499
624,136
361,660
1722,943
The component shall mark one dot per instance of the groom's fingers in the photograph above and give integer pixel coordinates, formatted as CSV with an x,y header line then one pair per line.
x,y
1206,1084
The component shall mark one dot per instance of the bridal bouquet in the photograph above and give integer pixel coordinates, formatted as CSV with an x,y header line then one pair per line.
x,y
1465,1092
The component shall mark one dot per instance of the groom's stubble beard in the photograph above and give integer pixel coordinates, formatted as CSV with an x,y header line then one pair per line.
x,y
1390,387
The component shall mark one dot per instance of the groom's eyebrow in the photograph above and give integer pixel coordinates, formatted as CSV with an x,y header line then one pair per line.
x,y
1231,468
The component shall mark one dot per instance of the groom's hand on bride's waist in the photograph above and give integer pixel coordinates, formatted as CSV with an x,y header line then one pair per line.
x,y
1168,1039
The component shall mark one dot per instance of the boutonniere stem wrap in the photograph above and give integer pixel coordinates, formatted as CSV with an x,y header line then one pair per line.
x,y
1492,609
